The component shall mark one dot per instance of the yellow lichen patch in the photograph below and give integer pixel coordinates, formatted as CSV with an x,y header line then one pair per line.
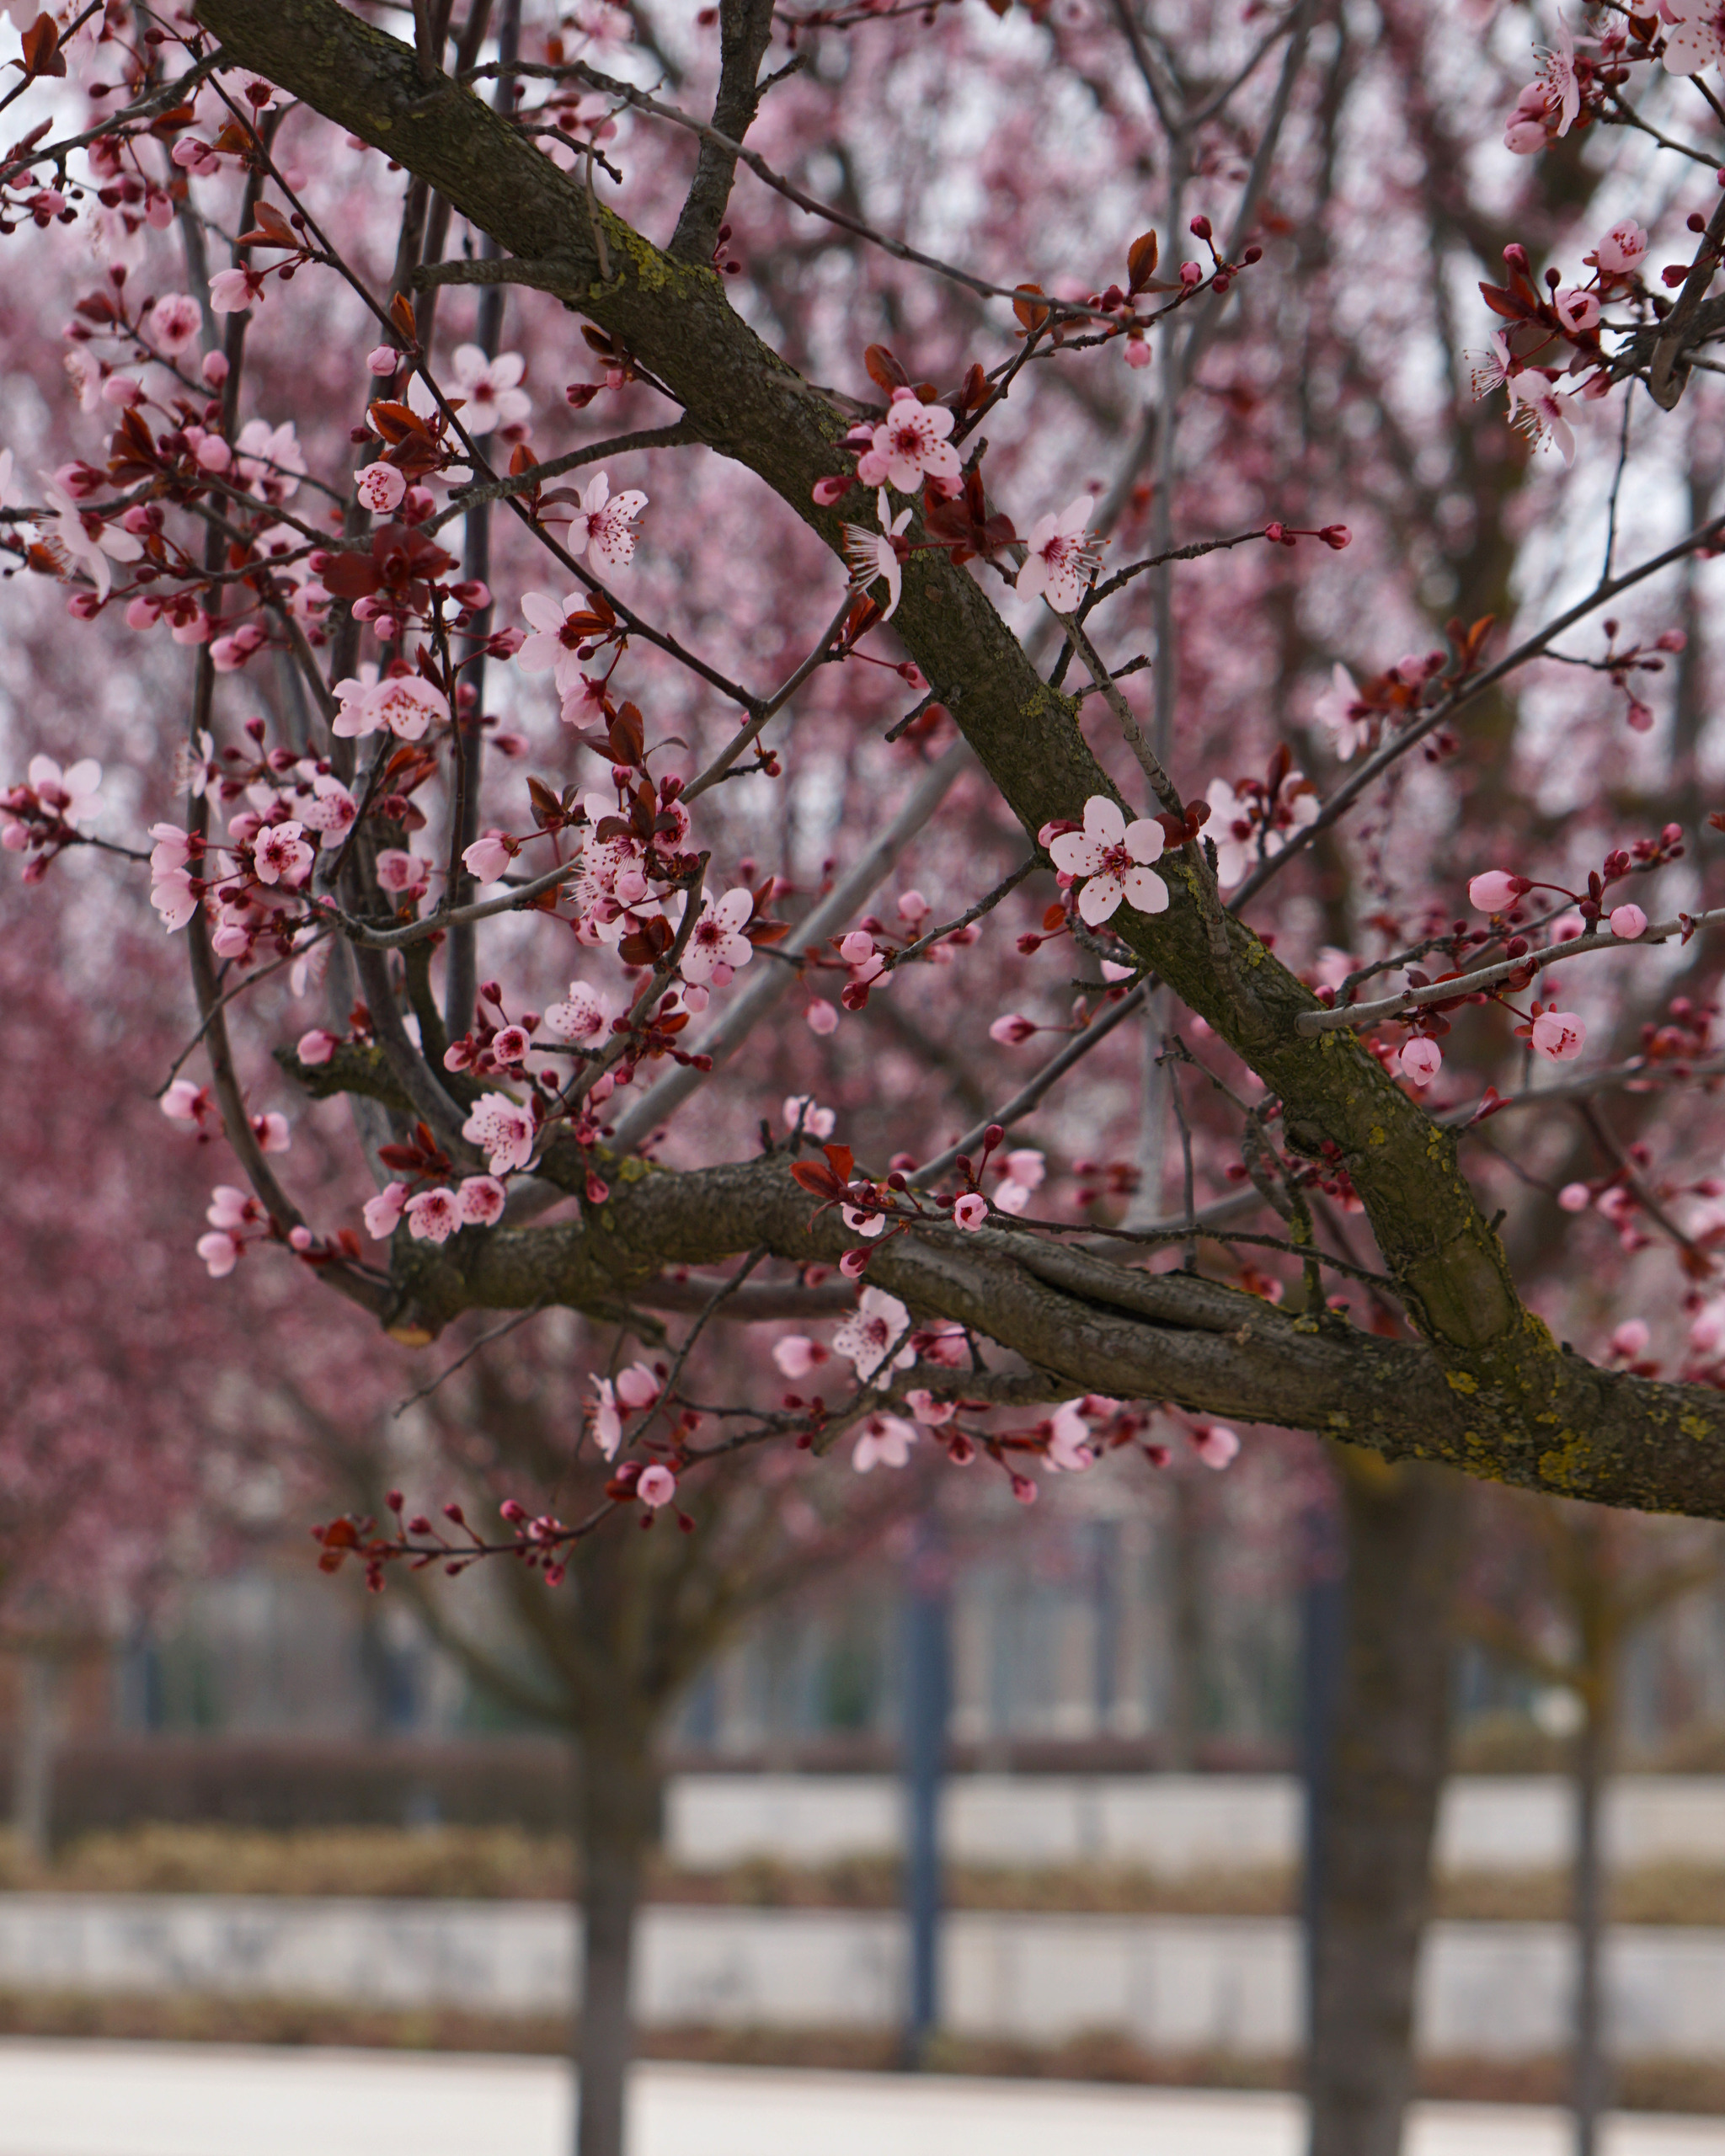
x,y
633,1169
1376,1136
1338,1421
1693,1426
1459,1381
1565,1465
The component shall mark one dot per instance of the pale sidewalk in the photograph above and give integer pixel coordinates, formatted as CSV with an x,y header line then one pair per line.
x,y
75,2098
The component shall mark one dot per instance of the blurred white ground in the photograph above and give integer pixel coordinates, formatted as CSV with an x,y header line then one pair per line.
x,y
70,2099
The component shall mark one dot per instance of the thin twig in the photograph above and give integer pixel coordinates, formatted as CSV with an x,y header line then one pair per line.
x,y
467,1356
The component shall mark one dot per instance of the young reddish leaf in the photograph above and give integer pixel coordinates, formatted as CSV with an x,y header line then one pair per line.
x,y
40,48
884,370
401,310
1052,916
1033,318
1141,261
841,1159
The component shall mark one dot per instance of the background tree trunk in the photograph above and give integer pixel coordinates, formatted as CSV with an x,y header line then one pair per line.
x,y
617,1803
1404,1538
33,1769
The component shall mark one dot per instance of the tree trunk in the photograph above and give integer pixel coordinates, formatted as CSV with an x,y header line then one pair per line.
x,y
33,1768
1185,1554
1404,1537
617,1823
1595,1614
1590,2069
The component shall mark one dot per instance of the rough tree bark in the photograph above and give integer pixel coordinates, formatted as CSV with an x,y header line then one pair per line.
x,y
1489,1388
1391,1751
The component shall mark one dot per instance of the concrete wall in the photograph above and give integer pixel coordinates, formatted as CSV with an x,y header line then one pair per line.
x,y
1185,1984
1172,1822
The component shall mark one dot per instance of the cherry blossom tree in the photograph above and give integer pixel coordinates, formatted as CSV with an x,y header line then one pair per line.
x,y
1001,642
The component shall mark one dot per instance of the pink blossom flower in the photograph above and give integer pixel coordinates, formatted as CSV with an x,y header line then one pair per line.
x,y
1524,130
489,388
657,1486
1488,371
174,322
816,1123
1559,1034
271,459
502,1130
821,1017
1629,1342
279,854
1576,310
1010,1030
1115,856
1024,1166
231,1207
1696,39
638,1387
971,1211
316,1047
796,1355
1496,891
432,1216
1557,74
909,445
717,948
272,1132
873,555
1623,249
186,1102
1062,557
1349,721
1420,1059
405,703
332,808
380,487
382,360
80,541
403,874
1215,1445
220,1251
553,647
1575,1198
232,291
1069,1447
884,1441
383,1211
488,858
511,1044
931,1412
607,1422
584,1016
479,1200
866,1337
1628,921
69,793
1537,410
863,1224
173,898
601,527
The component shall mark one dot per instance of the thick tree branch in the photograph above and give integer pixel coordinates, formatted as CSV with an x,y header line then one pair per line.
x,y
1491,1388
746,31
